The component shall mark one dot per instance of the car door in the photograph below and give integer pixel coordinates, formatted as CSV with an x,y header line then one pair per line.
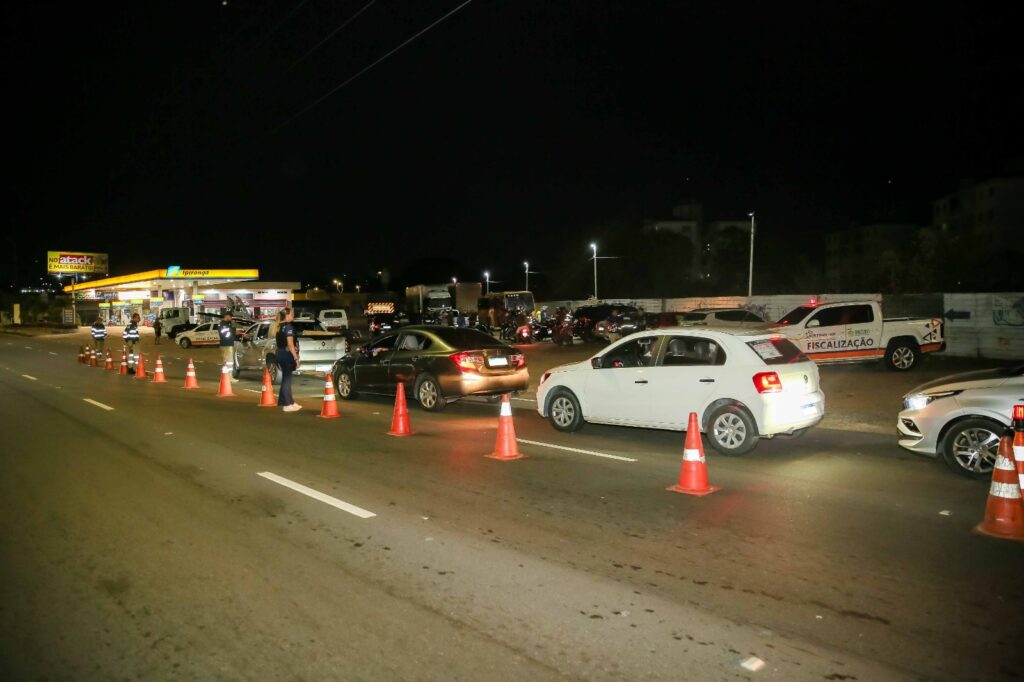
x,y
405,358
863,331
617,392
685,378
824,333
371,367
244,353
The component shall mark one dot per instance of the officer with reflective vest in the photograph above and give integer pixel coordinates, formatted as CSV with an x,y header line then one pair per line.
x,y
226,329
131,339
99,335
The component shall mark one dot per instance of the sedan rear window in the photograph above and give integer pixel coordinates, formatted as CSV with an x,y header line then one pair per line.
x,y
694,317
465,339
777,351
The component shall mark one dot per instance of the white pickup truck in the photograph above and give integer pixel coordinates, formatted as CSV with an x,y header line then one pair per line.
x,y
856,332
319,349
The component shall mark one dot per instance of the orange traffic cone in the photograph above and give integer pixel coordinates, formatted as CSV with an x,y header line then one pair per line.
x,y
158,373
225,382
330,407
109,362
693,477
124,363
267,398
92,357
506,447
1018,443
140,367
400,420
190,376
81,355
1004,512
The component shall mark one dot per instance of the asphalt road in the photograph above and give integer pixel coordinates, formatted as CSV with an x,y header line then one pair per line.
x,y
148,534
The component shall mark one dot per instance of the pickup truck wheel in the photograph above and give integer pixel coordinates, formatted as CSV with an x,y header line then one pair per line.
x,y
970,447
428,394
236,372
901,356
185,343
731,431
345,385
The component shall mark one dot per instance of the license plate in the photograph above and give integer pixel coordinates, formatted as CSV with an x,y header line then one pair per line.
x,y
497,362
809,409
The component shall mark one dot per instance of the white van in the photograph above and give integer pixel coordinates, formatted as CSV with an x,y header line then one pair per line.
x,y
333,318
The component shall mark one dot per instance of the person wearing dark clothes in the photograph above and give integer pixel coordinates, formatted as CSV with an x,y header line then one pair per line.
x,y
158,327
287,357
226,329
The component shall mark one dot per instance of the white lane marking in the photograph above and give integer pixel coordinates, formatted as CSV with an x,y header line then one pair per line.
x,y
252,390
29,376
525,400
582,452
108,408
51,352
317,495
169,433
28,347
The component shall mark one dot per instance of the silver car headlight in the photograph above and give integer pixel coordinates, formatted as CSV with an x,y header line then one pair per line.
x,y
919,401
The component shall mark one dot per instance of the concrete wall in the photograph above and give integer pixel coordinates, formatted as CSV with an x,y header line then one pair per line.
x,y
983,325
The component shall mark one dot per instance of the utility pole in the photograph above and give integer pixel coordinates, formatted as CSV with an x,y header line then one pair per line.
x,y
750,275
593,245
487,282
526,264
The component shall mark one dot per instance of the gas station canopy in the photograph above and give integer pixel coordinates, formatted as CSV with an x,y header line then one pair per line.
x,y
173,277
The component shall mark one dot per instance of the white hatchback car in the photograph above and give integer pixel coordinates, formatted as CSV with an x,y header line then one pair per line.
x,y
961,417
744,384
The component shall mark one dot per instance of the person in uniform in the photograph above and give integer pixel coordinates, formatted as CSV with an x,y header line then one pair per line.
x,y
226,329
158,328
99,335
131,341
287,357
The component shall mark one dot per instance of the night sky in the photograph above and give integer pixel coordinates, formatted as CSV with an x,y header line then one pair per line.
x,y
166,133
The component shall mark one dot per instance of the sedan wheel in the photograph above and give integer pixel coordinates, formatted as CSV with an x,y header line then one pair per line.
x,y
344,386
970,448
428,393
732,430
564,412
185,343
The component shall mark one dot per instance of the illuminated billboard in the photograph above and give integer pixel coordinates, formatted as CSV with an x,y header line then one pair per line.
x,y
76,262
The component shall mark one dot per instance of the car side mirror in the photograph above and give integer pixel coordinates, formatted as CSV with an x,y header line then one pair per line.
x,y
813,323
597,363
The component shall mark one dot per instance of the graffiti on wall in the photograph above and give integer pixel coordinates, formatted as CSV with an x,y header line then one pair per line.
x,y
1007,312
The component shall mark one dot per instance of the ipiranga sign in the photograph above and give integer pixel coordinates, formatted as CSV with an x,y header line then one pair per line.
x,y
77,262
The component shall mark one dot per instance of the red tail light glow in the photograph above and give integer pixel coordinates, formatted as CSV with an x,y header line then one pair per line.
x,y
1018,413
518,360
767,382
467,362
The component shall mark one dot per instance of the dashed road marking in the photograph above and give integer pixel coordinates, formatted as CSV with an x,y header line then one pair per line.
x,y
51,352
252,390
317,495
576,450
98,404
525,400
30,377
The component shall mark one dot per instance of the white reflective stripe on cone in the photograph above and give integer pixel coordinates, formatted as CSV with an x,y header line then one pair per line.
x,y
1008,491
328,397
1018,453
506,409
690,455
1004,464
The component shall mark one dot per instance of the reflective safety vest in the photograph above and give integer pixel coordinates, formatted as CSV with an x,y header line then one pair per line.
x,y
131,332
99,332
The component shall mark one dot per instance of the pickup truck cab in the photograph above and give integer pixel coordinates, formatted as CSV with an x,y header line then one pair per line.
x,y
856,332
319,349
333,318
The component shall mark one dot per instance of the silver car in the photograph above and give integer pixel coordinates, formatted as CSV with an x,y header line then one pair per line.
x,y
961,417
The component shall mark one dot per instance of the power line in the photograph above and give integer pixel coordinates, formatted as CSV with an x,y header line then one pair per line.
x,y
330,35
372,64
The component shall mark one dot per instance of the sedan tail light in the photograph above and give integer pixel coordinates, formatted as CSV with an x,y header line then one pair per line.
x,y
467,362
518,360
767,382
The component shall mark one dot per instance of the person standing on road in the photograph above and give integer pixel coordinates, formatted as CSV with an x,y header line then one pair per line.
x,y
492,316
131,341
226,329
157,328
99,335
287,357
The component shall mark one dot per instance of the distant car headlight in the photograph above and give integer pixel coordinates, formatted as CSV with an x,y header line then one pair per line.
x,y
919,401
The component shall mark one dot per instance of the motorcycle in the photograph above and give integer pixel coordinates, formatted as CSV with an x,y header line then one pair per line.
x,y
561,332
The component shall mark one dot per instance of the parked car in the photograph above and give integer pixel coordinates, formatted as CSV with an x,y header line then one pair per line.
x,y
383,323
333,319
744,384
720,317
318,348
961,417
438,365
606,322
204,334
856,332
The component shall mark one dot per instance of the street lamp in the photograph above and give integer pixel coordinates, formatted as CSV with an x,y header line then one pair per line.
x,y
455,280
487,282
750,275
337,285
526,264
594,247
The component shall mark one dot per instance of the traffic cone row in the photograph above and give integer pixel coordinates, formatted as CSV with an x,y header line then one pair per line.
x,y
140,367
81,355
92,357
693,475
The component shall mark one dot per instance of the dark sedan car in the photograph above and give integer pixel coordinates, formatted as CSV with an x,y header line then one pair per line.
x,y
606,322
438,364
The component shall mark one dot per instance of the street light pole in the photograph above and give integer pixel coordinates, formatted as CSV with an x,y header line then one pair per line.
x,y
487,282
594,247
526,264
750,275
